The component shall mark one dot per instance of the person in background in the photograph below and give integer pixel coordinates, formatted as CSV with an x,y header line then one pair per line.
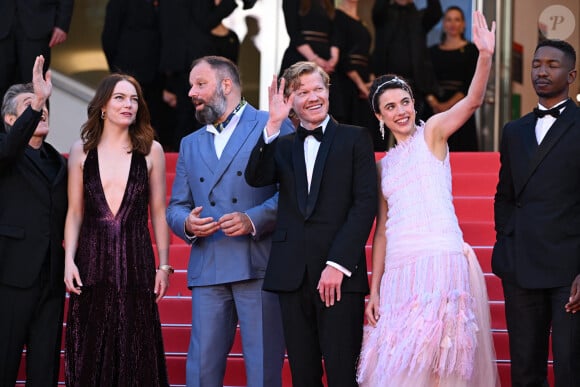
x,y
428,310
116,179
29,28
401,44
327,178
131,43
313,37
32,211
185,36
537,214
229,226
454,61
225,41
353,76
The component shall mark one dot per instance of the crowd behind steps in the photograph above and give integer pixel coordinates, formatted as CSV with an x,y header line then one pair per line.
x,y
139,38
246,200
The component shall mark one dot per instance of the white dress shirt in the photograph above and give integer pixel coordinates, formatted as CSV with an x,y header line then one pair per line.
x,y
220,139
311,146
545,123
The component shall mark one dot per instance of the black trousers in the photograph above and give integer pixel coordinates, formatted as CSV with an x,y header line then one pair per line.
x,y
531,314
314,332
31,317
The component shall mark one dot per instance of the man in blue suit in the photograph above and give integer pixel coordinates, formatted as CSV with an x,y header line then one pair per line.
x,y
229,225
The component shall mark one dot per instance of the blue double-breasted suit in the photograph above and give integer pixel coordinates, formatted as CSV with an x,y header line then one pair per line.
x,y
226,273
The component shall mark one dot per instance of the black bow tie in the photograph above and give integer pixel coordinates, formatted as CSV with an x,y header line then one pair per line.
x,y
303,133
554,112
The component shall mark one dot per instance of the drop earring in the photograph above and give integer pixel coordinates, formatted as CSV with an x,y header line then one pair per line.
x,y
102,115
382,129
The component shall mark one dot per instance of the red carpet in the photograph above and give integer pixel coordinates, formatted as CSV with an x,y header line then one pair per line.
x,y
474,181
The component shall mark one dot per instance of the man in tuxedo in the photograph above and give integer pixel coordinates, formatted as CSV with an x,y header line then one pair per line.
x,y
328,198
229,225
29,28
33,207
537,220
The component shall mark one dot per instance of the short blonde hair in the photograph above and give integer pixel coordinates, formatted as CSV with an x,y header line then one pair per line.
x,y
293,73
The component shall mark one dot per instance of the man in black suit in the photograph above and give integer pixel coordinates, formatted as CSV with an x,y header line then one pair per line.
x,y
29,28
33,207
537,220
328,198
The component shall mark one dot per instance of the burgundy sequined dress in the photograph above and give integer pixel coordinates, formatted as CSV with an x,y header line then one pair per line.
x,y
113,332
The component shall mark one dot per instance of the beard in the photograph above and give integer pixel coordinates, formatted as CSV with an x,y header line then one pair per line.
x,y
213,109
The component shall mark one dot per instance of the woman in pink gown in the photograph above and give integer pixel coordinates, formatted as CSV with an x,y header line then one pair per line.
x,y
428,309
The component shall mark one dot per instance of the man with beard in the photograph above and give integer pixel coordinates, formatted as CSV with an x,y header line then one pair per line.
x,y
229,226
537,220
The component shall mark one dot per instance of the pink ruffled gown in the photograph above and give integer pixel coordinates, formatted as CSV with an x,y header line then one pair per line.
x,y
434,315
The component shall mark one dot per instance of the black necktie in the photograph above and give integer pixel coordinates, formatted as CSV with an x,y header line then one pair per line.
x,y
554,112
303,133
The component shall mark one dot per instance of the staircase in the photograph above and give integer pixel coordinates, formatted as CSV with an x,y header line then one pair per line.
x,y
474,181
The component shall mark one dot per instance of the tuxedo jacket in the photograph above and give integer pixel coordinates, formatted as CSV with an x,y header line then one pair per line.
x,y
333,221
218,185
537,204
32,209
37,17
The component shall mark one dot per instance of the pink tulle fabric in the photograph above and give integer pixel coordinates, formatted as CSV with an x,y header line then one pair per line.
x,y
434,326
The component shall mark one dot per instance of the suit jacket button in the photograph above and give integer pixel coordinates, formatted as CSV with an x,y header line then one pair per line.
x,y
234,200
201,179
212,203
518,204
239,173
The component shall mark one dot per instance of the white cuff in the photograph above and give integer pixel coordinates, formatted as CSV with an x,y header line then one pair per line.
x,y
342,269
190,238
253,233
267,139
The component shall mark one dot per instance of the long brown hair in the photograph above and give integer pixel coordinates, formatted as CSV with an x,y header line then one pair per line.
x,y
328,6
141,132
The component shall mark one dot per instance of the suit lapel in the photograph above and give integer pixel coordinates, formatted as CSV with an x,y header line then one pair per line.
x,y
321,157
560,126
62,163
35,167
300,174
239,137
38,180
206,150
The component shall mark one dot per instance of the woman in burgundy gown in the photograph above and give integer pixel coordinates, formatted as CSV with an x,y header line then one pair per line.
x,y
116,174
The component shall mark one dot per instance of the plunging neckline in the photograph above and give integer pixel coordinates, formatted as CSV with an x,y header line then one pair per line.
x,y
114,214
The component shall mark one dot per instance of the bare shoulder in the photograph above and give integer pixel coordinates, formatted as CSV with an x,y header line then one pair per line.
x,y
156,156
77,154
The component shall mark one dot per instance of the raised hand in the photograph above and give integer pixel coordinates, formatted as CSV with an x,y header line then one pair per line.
x,y
279,106
42,84
483,37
